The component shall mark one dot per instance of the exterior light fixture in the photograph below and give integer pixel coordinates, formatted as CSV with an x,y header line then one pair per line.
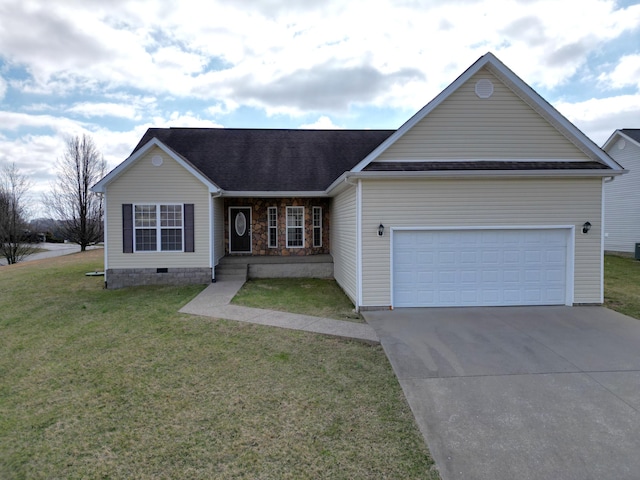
x,y
586,227
380,230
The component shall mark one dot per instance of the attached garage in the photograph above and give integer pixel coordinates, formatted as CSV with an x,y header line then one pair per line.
x,y
481,267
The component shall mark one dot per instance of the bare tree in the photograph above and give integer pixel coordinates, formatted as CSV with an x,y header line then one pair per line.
x,y
79,209
14,187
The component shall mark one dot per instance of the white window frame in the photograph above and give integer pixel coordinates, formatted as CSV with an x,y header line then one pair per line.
x,y
272,226
301,227
317,225
158,227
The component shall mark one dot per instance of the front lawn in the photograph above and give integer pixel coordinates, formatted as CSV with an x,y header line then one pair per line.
x,y
117,384
622,284
308,296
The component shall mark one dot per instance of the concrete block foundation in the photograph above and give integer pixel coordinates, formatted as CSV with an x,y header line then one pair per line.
x,y
131,277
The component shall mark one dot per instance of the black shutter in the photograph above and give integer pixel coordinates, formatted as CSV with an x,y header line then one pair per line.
x,y
188,228
127,228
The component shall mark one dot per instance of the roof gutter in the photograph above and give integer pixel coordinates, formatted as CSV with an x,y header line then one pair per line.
x,y
348,177
274,194
490,173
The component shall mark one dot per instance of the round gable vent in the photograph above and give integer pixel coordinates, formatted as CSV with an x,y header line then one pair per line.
x,y
621,144
156,160
484,88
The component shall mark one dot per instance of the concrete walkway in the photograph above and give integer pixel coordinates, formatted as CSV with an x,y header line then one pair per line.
x,y
214,301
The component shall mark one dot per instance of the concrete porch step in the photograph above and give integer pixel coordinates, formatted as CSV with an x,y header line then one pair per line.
x,y
231,272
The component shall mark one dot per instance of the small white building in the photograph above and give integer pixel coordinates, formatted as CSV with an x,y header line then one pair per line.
x,y
622,197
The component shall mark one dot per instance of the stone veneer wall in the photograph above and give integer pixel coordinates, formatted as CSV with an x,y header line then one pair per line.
x,y
259,224
130,277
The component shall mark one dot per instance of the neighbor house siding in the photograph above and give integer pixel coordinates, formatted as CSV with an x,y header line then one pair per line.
x,y
508,202
622,211
343,241
169,183
465,126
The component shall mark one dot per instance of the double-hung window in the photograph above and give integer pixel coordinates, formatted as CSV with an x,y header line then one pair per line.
x,y
295,227
158,228
317,226
272,219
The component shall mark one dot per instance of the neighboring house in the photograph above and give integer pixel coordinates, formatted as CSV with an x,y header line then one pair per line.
x,y
622,197
481,198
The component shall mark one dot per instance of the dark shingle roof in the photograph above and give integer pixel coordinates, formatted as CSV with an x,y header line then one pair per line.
x,y
269,159
480,165
632,133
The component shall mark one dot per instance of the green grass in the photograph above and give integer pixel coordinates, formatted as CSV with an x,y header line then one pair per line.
x,y
117,384
622,285
308,296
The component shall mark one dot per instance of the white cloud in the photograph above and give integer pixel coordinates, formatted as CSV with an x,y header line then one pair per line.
x,y
599,117
322,123
12,121
626,73
188,119
3,88
103,109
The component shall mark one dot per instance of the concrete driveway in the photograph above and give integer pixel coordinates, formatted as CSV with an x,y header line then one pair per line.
x,y
520,392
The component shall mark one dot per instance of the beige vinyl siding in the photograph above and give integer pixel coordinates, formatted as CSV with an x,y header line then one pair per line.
x,y
343,241
485,202
169,183
467,127
218,229
622,201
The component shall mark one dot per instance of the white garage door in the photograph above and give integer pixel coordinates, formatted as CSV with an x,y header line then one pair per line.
x,y
479,267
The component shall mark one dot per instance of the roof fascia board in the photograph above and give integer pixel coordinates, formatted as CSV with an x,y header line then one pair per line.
x,y
154,142
423,112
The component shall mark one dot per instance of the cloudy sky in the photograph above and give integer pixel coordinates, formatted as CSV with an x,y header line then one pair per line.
x,y
114,68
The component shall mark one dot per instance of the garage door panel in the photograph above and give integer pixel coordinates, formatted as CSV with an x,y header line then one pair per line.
x,y
480,267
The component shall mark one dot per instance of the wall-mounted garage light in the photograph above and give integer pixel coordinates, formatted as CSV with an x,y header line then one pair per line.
x,y
586,227
380,230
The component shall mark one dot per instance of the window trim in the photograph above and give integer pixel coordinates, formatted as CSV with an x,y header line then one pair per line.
x,y
272,227
317,226
301,227
158,228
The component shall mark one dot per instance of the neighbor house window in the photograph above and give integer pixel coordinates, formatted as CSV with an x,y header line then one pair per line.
x,y
317,226
158,228
272,214
295,227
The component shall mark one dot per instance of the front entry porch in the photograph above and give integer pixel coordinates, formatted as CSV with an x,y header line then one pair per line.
x,y
287,227
269,266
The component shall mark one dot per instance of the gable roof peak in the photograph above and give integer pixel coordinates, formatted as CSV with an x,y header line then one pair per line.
x,y
520,88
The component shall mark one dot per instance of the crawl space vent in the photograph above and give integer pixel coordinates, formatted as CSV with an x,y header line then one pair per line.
x,y
484,88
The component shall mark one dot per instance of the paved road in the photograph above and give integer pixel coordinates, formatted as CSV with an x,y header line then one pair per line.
x,y
53,250
526,392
